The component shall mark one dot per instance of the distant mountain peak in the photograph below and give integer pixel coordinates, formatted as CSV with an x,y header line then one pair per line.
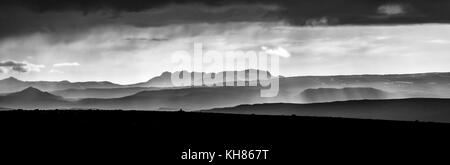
x,y
11,79
33,93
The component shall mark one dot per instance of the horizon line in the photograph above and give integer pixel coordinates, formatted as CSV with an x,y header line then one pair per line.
x,y
330,75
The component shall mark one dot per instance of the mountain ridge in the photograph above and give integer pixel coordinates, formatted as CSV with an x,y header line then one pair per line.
x,y
409,109
33,98
164,80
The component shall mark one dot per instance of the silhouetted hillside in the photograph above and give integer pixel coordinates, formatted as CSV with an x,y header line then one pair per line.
x,y
437,110
100,92
341,94
12,84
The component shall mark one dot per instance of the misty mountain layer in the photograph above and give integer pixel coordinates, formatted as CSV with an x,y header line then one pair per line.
x,y
306,89
422,109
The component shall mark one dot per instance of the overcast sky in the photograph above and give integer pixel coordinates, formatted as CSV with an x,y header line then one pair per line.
x,y
127,42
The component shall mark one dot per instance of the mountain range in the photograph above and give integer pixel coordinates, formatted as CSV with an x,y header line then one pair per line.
x,y
12,84
164,80
341,94
299,90
103,93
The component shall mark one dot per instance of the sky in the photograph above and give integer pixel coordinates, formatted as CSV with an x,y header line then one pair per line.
x,y
131,41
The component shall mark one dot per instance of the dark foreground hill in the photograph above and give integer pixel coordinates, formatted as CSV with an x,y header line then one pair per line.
x,y
32,98
148,137
421,109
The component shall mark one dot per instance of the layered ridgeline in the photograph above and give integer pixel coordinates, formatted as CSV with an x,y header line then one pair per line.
x,y
414,109
12,84
200,78
153,95
341,94
194,98
68,89
103,93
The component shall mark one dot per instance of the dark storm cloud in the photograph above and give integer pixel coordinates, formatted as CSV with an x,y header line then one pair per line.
x,y
28,16
18,66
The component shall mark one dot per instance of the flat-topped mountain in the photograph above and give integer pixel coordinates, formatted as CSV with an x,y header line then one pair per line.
x,y
100,92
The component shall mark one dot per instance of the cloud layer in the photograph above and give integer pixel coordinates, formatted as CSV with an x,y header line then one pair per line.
x,y
21,67
128,54
66,64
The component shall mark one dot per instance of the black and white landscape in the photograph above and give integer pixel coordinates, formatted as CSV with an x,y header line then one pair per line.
x,y
371,59
146,80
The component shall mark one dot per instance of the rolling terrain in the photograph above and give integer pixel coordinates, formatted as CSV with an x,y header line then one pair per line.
x,y
185,98
420,109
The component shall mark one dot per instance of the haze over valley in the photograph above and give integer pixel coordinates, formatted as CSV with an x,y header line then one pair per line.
x,y
301,91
